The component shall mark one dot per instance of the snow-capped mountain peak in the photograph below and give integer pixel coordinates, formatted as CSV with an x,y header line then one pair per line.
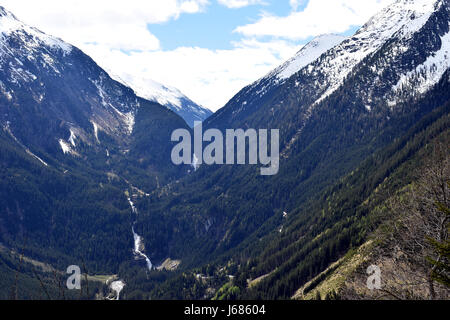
x,y
402,19
156,91
400,53
9,24
168,96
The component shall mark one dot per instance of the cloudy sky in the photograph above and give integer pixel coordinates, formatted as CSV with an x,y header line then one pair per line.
x,y
209,49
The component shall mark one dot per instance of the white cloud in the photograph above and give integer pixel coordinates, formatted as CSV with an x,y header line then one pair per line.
x,y
239,3
117,24
296,3
319,17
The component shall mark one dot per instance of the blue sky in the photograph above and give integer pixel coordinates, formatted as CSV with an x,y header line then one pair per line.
x,y
213,28
209,49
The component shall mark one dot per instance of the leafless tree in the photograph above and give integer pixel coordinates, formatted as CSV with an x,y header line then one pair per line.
x,y
419,221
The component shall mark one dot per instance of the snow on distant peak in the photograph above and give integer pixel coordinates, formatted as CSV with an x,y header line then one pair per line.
x,y
310,52
155,91
167,96
9,24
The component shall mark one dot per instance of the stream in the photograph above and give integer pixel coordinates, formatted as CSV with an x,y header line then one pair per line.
x,y
138,244
117,286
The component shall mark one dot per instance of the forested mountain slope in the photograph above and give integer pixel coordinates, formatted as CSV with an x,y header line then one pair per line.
x,y
87,177
72,142
334,114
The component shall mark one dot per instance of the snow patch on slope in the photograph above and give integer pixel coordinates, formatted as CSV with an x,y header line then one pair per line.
x,y
8,130
65,147
36,157
309,53
95,130
426,75
128,119
72,138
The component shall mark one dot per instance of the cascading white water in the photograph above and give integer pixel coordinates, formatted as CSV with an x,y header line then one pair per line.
x,y
138,240
117,287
